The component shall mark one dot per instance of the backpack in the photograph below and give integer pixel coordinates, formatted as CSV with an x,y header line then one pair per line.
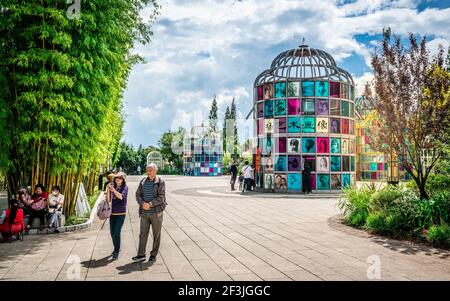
x,y
104,210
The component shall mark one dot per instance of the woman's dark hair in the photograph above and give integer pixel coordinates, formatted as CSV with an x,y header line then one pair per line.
x,y
123,183
39,186
14,206
56,187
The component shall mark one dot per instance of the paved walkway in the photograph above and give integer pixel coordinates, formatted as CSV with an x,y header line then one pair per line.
x,y
212,234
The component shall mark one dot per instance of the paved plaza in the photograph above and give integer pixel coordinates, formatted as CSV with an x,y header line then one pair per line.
x,y
211,233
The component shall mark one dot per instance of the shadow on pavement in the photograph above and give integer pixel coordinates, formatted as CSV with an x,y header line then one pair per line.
x,y
410,248
97,263
403,246
32,244
134,267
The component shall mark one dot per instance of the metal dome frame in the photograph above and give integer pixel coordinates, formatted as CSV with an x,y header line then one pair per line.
x,y
303,63
364,105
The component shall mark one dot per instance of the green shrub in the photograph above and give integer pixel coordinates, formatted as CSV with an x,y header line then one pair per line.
x,y
439,235
382,199
438,183
75,220
354,205
434,211
403,211
377,222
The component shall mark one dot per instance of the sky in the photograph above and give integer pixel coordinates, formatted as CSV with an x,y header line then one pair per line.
x,y
206,48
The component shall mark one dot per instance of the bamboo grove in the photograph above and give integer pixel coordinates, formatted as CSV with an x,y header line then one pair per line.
x,y
61,85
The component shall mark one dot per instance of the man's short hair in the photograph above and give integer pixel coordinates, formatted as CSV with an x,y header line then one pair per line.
x,y
246,162
152,165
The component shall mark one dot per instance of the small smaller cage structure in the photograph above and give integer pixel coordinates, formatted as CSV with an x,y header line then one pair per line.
x,y
156,158
202,152
371,165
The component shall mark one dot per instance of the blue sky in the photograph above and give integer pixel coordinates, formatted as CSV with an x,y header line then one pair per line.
x,y
202,48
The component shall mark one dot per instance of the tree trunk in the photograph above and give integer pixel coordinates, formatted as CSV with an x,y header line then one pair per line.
x,y
423,193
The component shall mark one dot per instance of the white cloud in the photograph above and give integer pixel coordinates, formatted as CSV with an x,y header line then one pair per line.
x,y
360,82
218,47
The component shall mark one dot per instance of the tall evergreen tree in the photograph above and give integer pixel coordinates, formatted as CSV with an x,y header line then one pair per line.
x,y
235,142
224,130
213,116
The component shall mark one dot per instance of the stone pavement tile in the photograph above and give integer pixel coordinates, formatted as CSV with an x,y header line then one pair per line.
x,y
335,277
101,271
353,273
192,255
245,277
249,259
317,269
21,271
302,275
267,272
156,267
387,276
156,276
428,275
215,276
313,254
208,244
331,263
268,256
129,277
46,275
16,279
207,267
66,277
100,278
183,271
231,265
285,278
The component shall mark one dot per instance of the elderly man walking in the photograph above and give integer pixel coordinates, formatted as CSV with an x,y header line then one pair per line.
x,y
151,197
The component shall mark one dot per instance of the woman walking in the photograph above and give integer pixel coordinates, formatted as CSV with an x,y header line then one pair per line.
x,y
117,192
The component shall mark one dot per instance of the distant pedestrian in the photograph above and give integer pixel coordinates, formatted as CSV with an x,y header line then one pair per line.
x,y
151,197
241,180
253,182
306,177
247,171
233,171
118,193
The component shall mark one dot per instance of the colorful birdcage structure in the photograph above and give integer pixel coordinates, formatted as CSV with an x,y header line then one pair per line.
x,y
372,165
156,158
304,114
202,152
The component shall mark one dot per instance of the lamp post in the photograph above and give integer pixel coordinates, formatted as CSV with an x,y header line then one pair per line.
x,y
392,177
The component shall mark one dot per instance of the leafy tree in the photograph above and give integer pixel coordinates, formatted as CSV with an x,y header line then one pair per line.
x,y
167,144
412,94
130,158
61,84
